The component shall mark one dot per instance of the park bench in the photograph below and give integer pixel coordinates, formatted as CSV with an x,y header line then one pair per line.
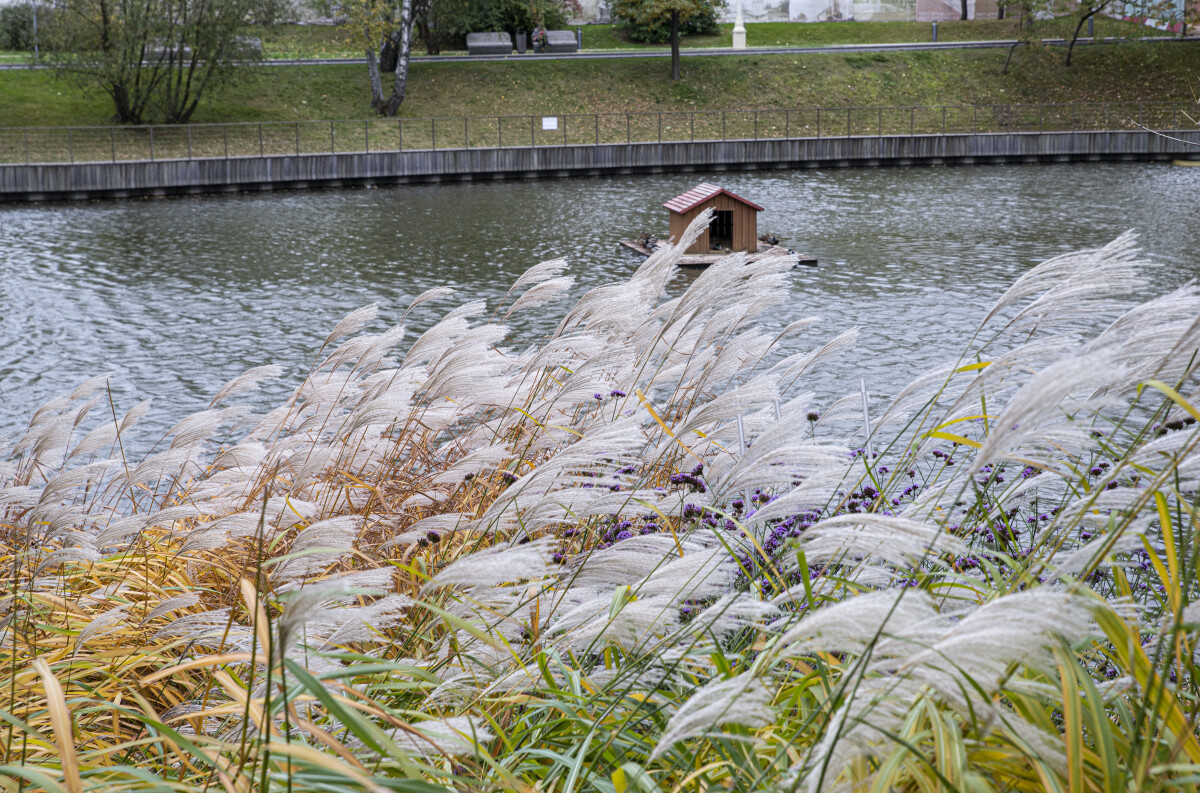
x,y
489,44
561,41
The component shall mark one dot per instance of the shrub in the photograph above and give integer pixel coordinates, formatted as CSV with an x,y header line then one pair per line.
x,y
16,27
629,18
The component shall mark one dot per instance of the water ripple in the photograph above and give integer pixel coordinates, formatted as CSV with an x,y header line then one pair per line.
x,y
179,295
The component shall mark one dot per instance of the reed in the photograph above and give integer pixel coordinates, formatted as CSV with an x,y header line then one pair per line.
x,y
632,556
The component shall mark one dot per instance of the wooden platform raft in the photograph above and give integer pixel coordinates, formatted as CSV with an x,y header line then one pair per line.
x,y
733,228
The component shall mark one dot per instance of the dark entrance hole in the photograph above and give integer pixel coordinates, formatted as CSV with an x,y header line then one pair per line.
x,y
720,230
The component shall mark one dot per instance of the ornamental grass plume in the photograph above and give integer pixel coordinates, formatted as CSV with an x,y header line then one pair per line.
x,y
634,554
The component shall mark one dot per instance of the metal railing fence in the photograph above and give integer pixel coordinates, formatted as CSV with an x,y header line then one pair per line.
x,y
46,145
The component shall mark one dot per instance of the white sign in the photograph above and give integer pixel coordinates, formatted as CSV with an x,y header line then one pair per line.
x,y
549,122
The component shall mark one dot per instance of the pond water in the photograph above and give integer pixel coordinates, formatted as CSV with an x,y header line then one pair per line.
x,y
178,295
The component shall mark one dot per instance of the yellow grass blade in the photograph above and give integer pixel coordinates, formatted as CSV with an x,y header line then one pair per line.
x,y
60,719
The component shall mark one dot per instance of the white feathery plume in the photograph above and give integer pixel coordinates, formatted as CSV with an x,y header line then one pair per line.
x,y
1062,269
495,566
632,625
542,294
247,455
456,735
835,346
134,415
730,613
51,409
201,426
1041,400
427,295
473,464
156,466
853,624
119,529
64,485
320,544
1088,554
90,386
895,540
68,556
539,273
97,439
200,627
309,611
246,382
171,604
352,323
743,699
105,623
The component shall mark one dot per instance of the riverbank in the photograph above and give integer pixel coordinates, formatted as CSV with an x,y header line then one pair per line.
x,y
265,172
1130,72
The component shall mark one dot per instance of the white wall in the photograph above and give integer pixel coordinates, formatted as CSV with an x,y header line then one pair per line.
x,y
597,11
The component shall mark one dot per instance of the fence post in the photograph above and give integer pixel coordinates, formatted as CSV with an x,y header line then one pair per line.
x,y
787,125
151,145
756,125
723,135
943,119
260,139
466,132
564,129
400,134
189,134
912,112
1041,118
532,134
225,132
1141,118
366,137
975,118
332,146
660,127
692,121
628,124
297,138
849,121
818,122
110,132
433,132
596,116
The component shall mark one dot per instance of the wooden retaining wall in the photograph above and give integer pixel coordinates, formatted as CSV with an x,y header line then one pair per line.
x,y
166,177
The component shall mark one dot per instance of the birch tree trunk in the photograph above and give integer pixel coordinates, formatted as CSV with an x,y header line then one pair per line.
x,y
405,50
376,82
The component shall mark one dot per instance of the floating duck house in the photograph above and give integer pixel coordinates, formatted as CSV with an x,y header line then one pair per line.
x,y
734,226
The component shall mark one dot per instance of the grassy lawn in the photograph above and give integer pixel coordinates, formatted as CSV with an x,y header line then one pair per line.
x,y
1126,72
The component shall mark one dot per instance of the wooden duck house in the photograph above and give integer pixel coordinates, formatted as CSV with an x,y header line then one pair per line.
x,y
734,226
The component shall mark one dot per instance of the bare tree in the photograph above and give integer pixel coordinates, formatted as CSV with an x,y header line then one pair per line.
x,y
154,58
1086,10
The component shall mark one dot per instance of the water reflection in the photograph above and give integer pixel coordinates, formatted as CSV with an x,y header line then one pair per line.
x,y
179,295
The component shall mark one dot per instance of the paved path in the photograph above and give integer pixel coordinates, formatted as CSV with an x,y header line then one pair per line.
x,y
691,52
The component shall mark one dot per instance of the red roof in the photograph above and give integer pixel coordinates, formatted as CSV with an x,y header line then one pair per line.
x,y
701,193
